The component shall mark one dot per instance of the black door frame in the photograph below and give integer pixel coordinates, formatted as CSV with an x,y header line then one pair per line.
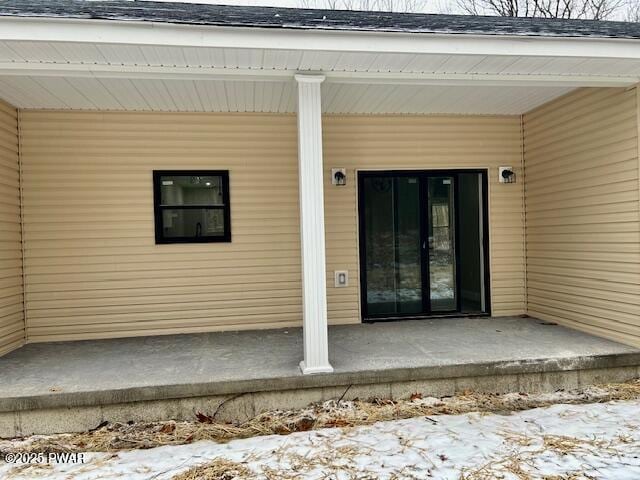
x,y
423,195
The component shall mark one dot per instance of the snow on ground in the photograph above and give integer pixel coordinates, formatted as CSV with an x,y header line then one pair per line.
x,y
590,441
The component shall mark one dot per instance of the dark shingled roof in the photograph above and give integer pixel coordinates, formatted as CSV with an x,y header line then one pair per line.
x,y
314,19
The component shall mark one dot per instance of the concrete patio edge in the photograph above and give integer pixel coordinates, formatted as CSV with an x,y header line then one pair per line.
x,y
338,379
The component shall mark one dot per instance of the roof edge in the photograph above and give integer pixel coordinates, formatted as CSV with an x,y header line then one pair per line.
x,y
195,14
166,34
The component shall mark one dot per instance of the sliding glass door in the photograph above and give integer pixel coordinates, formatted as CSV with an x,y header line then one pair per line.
x,y
422,243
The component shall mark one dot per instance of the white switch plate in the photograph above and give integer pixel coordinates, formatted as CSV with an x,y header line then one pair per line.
x,y
341,278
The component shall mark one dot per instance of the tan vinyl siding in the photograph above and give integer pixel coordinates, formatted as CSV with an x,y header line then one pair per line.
x,y
11,301
583,212
94,271
425,142
92,266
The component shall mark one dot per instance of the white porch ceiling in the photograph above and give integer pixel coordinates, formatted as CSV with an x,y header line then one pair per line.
x,y
261,96
95,76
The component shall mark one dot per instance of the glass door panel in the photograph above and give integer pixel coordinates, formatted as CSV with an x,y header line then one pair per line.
x,y
470,243
393,245
441,243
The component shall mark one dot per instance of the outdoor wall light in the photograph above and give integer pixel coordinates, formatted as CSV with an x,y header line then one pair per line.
x,y
339,176
506,175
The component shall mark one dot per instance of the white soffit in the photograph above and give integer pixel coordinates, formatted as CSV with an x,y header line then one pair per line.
x,y
429,99
266,96
114,76
24,55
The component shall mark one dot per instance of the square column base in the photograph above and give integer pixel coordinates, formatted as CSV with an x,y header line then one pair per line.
x,y
313,370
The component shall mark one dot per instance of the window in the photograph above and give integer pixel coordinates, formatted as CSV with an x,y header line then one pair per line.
x,y
192,206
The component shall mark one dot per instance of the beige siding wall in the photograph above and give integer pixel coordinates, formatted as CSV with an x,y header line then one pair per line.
x,y
582,212
425,142
11,302
92,266
94,271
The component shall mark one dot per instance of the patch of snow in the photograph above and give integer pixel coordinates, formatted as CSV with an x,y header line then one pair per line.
x,y
599,441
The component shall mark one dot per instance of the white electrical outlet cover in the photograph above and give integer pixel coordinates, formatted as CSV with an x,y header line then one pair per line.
x,y
341,278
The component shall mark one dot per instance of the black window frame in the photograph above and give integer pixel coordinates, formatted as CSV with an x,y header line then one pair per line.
x,y
159,208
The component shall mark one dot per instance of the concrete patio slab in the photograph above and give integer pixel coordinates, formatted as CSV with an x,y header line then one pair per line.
x,y
212,363
440,356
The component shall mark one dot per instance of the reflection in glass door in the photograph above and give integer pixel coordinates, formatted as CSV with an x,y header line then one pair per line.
x,y
393,257
441,244
422,243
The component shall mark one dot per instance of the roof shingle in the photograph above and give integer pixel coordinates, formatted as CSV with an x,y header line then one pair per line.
x,y
314,19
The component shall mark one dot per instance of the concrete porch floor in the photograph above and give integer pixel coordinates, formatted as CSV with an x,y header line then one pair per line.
x,y
382,359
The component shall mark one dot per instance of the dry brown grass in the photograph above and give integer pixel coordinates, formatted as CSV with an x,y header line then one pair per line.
x,y
570,445
218,469
520,462
119,436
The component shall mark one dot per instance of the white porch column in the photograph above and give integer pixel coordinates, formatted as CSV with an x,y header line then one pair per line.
x,y
314,287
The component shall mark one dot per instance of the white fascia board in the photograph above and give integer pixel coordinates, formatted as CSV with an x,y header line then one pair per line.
x,y
161,34
378,78
467,79
85,70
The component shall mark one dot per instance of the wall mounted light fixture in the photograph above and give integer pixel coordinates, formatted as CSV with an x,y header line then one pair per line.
x,y
506,175
339,176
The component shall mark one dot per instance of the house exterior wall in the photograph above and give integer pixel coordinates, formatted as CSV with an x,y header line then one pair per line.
x,y
92,266
583,212
379,142
12,329
93,269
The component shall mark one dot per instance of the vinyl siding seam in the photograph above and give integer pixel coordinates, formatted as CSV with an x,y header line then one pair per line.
x,y
637,98
22,237
524,215
12,325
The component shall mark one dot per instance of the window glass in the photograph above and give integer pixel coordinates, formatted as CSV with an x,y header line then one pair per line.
x,y
192,206
191,190
199,222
